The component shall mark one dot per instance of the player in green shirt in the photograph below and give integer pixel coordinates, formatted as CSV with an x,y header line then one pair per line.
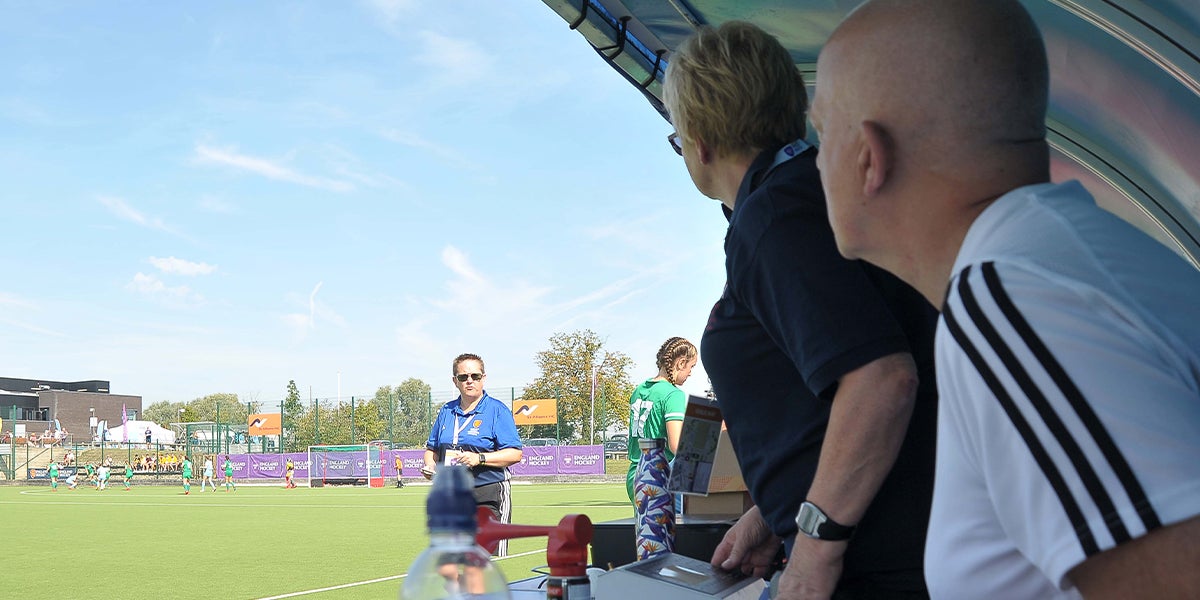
x,y
656,406
186,470
52,470
128,475
91,472
229,474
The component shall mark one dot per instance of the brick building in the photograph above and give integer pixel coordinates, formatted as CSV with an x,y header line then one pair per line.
x,y
36,403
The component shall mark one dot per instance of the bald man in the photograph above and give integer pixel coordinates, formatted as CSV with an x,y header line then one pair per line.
x,y
1068,351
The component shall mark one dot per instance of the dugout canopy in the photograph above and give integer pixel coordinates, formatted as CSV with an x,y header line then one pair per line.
x,y
1124,113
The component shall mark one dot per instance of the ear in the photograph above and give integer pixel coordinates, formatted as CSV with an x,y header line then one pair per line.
x,y
703,152
875,157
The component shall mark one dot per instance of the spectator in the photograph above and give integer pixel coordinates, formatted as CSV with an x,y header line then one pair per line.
x,y
822,366
478,431
1068,351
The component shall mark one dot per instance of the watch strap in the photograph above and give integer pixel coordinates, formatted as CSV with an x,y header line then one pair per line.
x,y
814,523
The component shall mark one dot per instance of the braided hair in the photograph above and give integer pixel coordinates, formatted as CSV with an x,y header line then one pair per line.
x,y
671,351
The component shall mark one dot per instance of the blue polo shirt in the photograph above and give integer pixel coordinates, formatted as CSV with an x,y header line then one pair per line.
x,y
486,428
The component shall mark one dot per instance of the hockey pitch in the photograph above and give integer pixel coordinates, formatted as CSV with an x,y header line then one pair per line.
x,y
258,542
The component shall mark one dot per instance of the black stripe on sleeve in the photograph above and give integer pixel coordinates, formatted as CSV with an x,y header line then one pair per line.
x,y
1037,399
1101,437
1086,539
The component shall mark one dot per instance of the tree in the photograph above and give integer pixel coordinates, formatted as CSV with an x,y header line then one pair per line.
x,y
566,374
226,408
163,412
414,415
293,414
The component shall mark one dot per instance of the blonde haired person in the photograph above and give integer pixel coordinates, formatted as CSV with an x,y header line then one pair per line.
x,y
656,406
822,365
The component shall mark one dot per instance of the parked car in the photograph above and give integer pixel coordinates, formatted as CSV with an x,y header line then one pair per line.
x,y
616,446
540,442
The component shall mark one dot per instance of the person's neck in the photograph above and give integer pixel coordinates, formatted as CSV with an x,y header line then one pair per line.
x,y
728,173
468,404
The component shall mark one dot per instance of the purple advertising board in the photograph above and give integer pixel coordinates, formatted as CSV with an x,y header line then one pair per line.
x,y
264,465
538,460
411,462
561,460
581,460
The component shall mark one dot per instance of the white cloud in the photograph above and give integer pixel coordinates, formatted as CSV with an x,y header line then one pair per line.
x,y
123,210
268,169
413,140
301,323
390,11
153,287
179,266
456,61
11,303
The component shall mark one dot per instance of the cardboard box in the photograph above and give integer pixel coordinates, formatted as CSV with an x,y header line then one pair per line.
x,y
726,474
718,504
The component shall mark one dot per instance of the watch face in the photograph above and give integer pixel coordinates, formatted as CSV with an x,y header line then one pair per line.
x,y
809,519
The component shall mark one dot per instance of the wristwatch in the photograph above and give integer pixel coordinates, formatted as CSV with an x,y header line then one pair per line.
x,y
814,523
482,458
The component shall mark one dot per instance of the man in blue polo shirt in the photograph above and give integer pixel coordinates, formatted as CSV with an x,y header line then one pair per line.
x,y
478,431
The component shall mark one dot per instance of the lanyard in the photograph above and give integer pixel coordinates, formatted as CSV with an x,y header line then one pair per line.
x,y
459,427
788,152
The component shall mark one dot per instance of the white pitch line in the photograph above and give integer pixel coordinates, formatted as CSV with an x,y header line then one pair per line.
x,y
370,581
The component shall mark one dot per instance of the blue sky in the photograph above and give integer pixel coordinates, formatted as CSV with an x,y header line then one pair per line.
x,y
222,197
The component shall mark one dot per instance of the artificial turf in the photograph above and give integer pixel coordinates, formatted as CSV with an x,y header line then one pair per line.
x,y
258,542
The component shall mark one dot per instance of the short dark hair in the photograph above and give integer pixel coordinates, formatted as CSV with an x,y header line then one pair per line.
x,y
466,356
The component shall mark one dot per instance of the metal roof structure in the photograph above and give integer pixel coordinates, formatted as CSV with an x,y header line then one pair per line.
x,y
1124,113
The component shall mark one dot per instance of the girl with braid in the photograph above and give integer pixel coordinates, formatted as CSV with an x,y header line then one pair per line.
x,y
657,405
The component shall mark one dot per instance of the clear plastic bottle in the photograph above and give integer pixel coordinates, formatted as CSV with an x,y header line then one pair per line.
x,y
453,567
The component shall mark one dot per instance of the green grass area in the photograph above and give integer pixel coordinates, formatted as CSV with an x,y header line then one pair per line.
x,y
257,542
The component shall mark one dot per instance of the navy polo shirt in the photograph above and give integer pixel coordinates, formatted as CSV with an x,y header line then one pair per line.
x,y
486,428
795,316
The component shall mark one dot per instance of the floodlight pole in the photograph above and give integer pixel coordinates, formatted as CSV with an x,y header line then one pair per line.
x,y
593,413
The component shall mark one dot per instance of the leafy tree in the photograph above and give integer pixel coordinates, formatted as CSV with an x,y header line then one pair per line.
x,y
162,412
414,415
566,374
293,414
371,416
226,408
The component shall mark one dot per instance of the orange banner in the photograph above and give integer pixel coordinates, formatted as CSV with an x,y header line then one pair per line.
x,y
264,424
539,411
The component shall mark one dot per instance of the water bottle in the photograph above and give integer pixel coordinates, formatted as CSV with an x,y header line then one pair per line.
x,y
453,567
655,506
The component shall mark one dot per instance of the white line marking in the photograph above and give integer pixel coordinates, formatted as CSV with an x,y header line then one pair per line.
x,y
381,579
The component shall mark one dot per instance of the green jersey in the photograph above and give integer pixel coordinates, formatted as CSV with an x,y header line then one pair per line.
x,y
91,470
128,471
228,469
187,468
53,470
652,404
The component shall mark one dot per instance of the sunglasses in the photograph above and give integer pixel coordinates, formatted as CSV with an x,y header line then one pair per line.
x,y
676,143
462,377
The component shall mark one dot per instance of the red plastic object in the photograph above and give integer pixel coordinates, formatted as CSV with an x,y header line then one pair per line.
x,y
566,550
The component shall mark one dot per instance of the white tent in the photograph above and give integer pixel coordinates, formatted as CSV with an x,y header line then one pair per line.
x,y
137,433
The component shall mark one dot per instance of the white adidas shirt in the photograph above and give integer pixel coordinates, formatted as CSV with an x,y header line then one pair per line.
x,y
1068,359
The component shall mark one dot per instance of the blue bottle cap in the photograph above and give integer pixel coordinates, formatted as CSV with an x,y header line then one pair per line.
x,y
451,503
